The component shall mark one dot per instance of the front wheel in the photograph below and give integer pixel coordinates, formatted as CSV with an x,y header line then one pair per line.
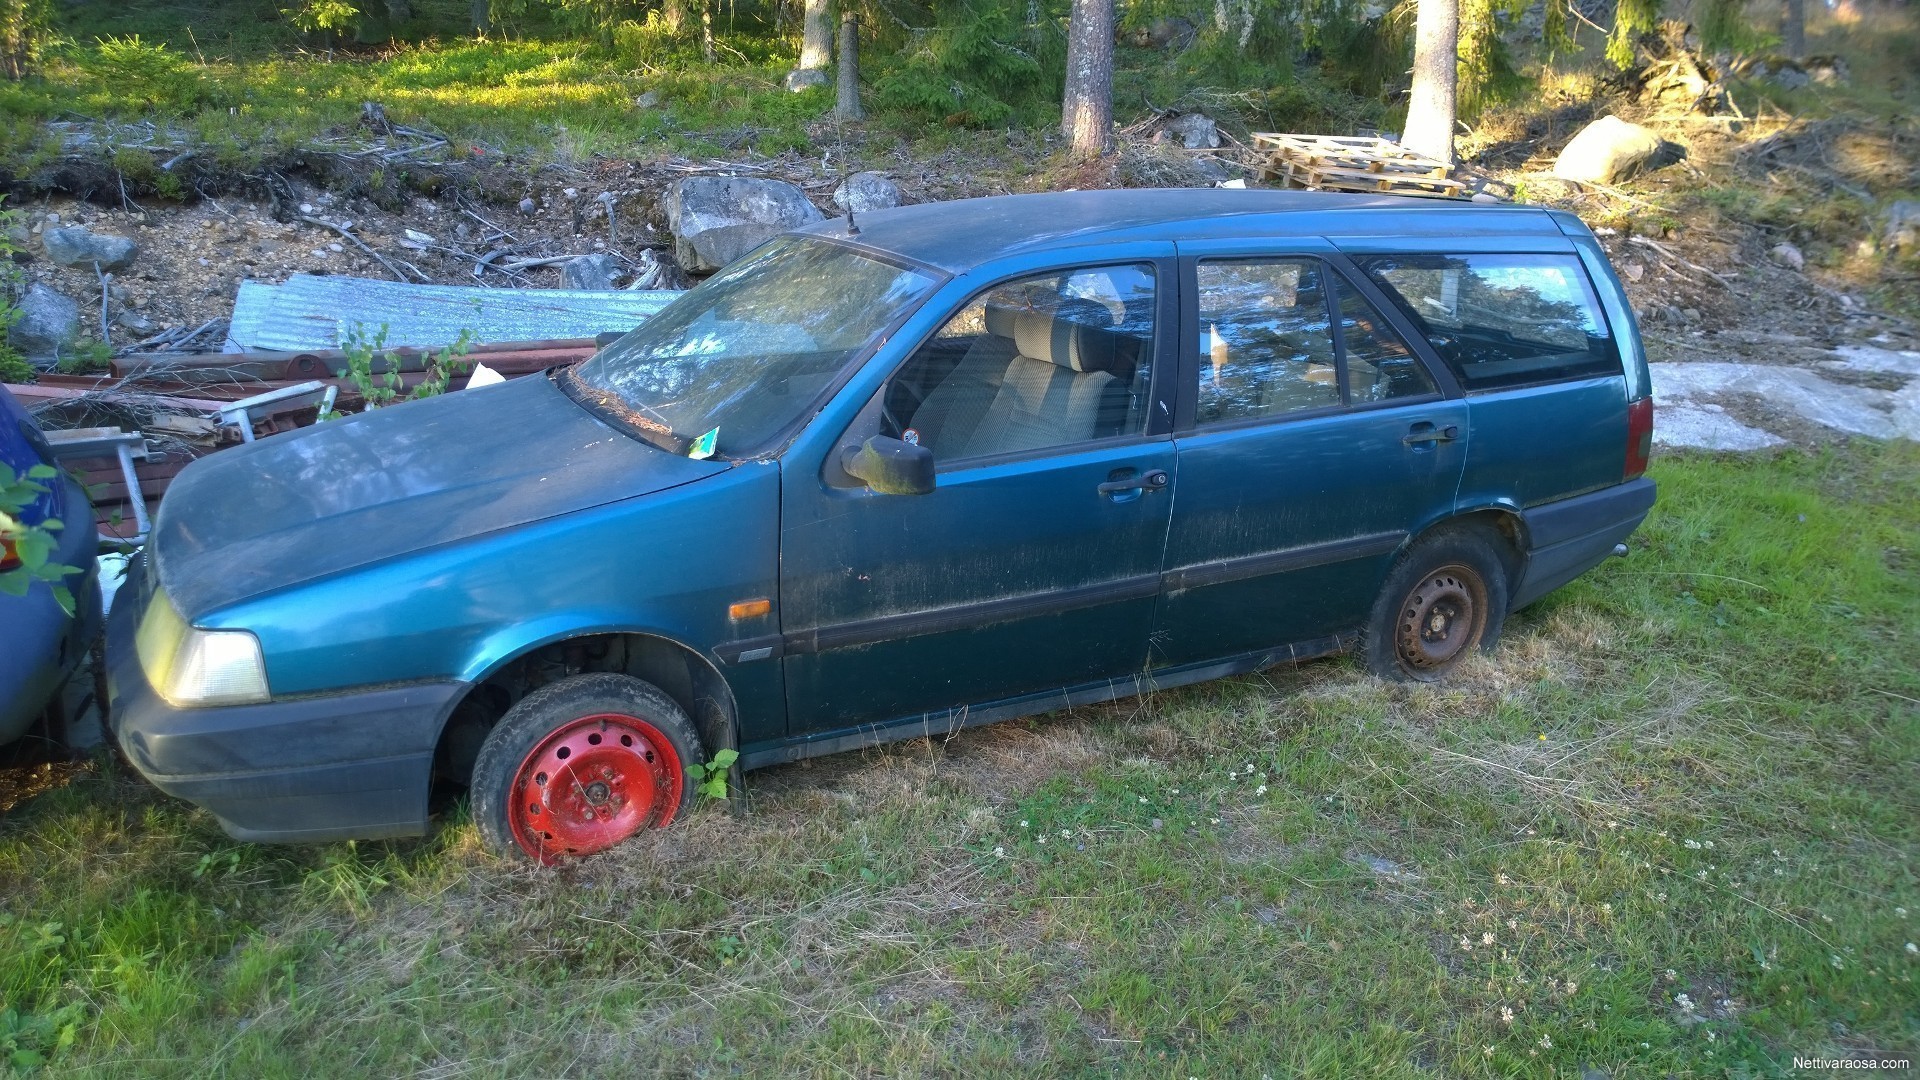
x,y
1445,598
581,765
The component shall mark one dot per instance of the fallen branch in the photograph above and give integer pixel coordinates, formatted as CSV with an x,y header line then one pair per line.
x,y
1668,253
357,242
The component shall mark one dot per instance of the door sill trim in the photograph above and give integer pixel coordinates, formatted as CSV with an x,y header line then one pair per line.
x,y
952,721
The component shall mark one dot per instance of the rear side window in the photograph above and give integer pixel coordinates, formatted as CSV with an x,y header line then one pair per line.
x,y
1503,320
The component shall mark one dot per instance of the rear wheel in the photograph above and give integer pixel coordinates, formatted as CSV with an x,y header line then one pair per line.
x,y
1445,598
580,765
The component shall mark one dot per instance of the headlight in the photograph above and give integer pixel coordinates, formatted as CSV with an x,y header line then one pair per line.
x,y
194,668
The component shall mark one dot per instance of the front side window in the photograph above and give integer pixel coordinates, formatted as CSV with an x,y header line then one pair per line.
x,y
1053,360
1268,344
1503,320
732,363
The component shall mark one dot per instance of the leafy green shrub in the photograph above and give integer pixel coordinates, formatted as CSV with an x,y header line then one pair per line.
x,y
977,67
31,546
143,71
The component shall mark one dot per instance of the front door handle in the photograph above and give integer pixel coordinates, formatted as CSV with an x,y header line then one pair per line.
x,y
1424,432
1151,480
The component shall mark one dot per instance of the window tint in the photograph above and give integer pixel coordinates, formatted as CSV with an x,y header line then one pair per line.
x,y
1380,367
1053,360
1266,339
1503,320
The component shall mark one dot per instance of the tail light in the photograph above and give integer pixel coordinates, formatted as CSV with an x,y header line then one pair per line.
x,y
1639,437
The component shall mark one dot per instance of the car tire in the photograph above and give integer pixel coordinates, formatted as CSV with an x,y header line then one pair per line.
x,y
1445,597
580,765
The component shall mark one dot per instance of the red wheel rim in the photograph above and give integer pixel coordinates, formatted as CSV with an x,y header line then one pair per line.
x,y
592,783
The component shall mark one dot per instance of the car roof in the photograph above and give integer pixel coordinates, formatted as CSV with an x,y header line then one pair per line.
x,y
964,233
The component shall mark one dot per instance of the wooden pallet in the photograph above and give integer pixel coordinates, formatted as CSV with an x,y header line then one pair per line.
x,y
1351,163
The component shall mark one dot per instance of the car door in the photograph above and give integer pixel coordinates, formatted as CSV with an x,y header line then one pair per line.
x,y
1034,563
1312,442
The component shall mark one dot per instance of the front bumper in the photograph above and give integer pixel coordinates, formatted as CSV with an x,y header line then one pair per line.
x,y
351,766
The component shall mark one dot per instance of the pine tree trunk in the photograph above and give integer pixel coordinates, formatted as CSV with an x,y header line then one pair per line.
x,y
1430,111
847,105
1793,29
399,11
482,14
1086,110
816,37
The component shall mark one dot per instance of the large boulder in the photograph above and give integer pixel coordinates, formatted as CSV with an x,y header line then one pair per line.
x,y
1607,151
1196,131
805,79
717,219
866,191
78,248
47,323
589,272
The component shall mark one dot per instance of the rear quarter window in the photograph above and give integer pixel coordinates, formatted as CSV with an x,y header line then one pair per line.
x,y
1503,320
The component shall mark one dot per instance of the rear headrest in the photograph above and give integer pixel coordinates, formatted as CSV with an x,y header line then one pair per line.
x,y
1077,335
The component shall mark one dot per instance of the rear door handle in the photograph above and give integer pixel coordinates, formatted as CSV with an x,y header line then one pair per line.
x,y
1424,432
1151,480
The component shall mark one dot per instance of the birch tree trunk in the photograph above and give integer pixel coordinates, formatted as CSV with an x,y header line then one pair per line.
x,y
1086,111
816,37
1436,50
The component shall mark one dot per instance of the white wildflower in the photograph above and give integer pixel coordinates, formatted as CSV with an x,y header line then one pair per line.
x,y
1023,823
1693,845
1261,790
1709,845
1506,1014
1213,821
999,853
1912,948
1546,1043
1900,913
1685,1002
1066,834
1838,963
1486,938
1143,800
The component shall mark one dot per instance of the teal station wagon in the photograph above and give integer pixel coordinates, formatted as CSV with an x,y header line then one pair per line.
x,y
942,466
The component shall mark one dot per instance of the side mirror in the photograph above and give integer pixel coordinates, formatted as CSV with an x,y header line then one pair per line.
x,y
889,466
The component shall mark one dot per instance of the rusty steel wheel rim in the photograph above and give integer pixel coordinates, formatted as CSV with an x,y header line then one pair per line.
x,y
592,783
1441,618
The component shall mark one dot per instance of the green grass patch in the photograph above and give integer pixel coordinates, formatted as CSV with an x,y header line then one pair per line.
x,y
1668,829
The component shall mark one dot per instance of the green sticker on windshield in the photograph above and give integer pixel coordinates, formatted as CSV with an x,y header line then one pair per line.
x,y
702,448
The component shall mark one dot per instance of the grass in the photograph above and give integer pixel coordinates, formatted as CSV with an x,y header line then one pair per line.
x,y
1690,773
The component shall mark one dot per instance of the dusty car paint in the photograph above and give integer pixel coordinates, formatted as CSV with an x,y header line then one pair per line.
x,y
391,564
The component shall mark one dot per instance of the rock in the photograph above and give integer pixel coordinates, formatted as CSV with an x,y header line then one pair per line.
x,y
268,246
1634,271
1196,131
1788,256
1903,227
866,191
528,206
78,248
46,323
134,321
717,219
589,272
805,79
1606,151
649,100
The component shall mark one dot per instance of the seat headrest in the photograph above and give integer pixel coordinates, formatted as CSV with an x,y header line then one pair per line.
x,y
999,319
1077,335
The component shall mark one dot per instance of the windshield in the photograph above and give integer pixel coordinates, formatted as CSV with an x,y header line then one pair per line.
x,y
730,364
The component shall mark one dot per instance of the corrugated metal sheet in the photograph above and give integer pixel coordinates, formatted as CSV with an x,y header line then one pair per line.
x,y
315,312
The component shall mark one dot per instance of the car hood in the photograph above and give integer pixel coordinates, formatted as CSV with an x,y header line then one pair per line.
x,y
352,492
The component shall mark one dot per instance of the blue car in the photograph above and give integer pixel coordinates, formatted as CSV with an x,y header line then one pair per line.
x,y
41,644
947,465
